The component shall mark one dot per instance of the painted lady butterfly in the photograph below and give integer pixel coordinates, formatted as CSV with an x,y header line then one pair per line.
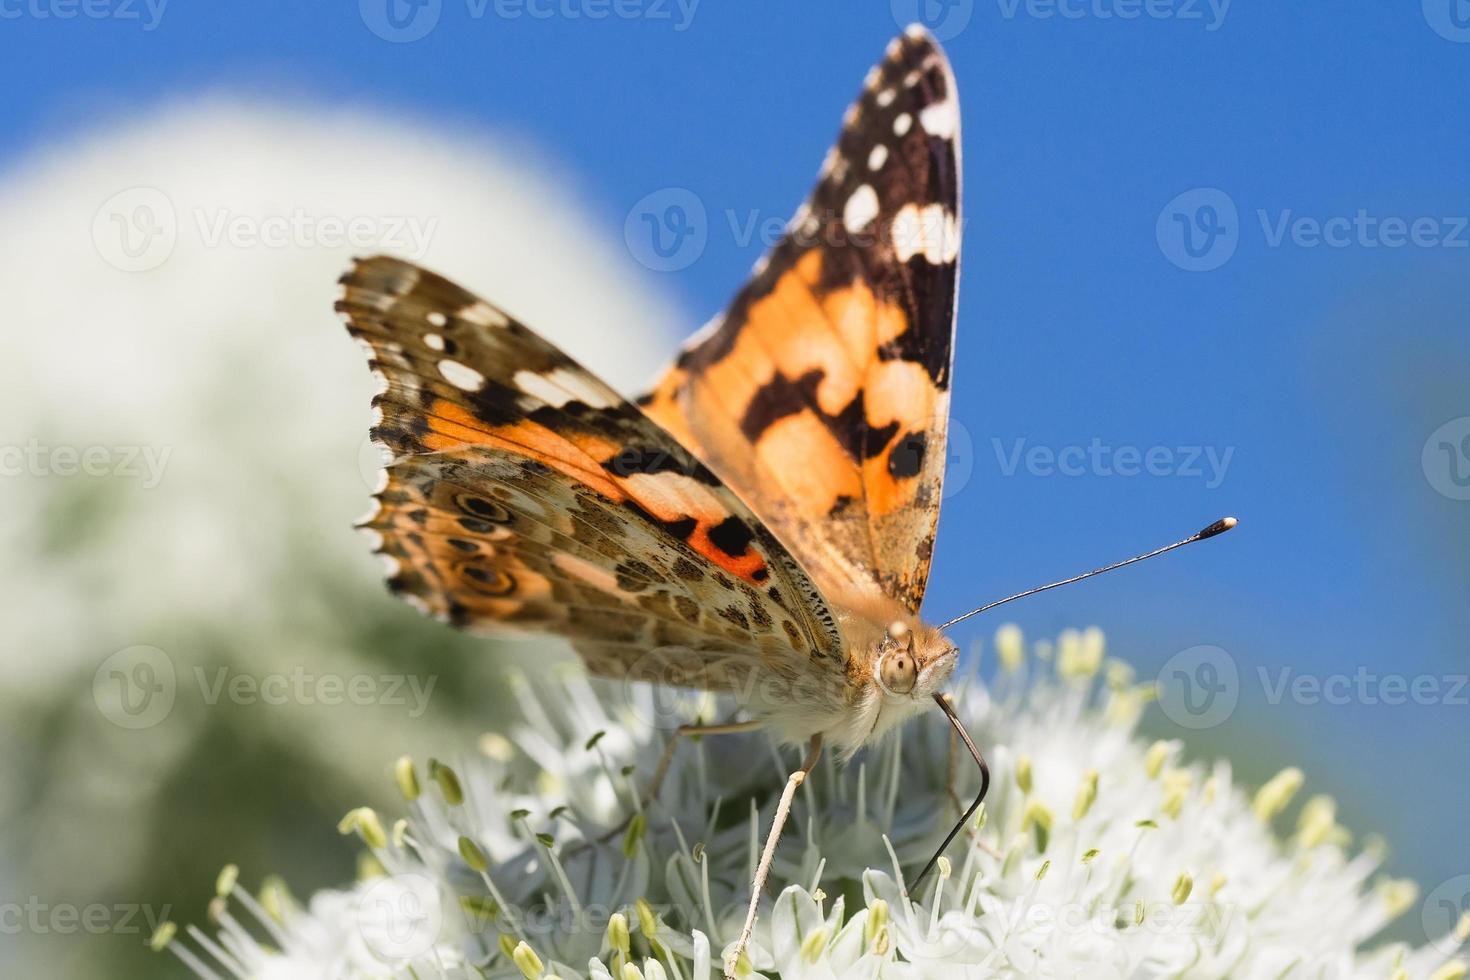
x,y
769,507
762,522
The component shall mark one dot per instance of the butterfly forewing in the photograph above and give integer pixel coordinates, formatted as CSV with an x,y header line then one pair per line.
x,y
522,493
822,394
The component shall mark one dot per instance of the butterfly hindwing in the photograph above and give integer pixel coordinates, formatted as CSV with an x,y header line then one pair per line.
x,y
522,493
822,394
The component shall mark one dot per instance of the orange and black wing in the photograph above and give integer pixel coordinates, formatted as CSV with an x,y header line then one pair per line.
x,y
524,494
822,394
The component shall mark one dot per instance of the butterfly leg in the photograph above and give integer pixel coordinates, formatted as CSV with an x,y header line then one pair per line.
x,y
783,810
683,731
667,760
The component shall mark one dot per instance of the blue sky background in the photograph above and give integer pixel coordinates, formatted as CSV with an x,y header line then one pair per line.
x,y
1322,370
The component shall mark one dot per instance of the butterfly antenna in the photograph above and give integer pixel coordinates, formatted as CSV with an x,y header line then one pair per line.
x,y
1219,527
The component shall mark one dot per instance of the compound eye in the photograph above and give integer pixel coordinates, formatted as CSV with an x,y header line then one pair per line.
x,y
899,671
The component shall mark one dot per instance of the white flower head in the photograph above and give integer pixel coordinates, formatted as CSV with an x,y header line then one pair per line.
x,y
1097,854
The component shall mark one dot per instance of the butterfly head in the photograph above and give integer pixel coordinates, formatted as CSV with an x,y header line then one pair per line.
x,y
914,661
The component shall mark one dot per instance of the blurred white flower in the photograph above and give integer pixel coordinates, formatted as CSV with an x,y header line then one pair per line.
x,y
1098,855
183,450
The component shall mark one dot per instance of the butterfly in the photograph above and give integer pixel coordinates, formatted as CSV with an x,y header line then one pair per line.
x,y
769,507
761,523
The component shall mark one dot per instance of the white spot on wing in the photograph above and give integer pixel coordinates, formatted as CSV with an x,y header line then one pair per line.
x,y
561,385
930,231
877,157
861,208
886,97
457,374
902,124
433,341
436,319
941,119
484,314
